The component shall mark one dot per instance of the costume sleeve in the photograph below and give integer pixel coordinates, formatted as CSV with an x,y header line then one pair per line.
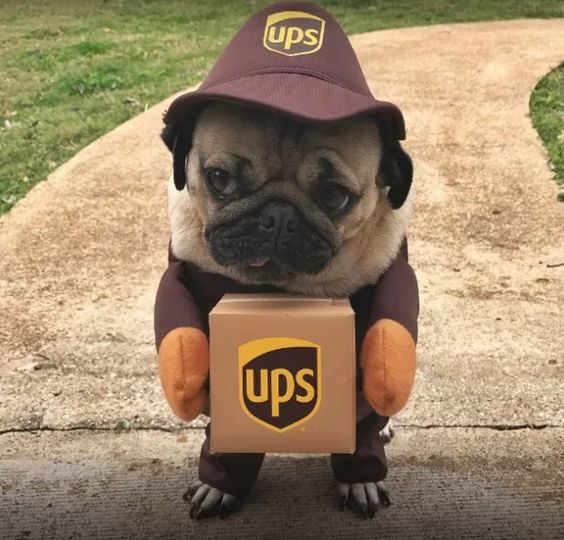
x,y
182,345
396,295
175,306
388,356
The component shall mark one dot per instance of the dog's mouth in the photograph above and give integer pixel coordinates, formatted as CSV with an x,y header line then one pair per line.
x,y
272,269
270,246
259,263
266,271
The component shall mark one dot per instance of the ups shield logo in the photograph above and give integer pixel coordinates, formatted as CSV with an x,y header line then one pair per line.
x,y
293,33
280,381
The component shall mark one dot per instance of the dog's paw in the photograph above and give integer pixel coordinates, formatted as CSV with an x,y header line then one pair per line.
x,y
387,434
206,501
365,499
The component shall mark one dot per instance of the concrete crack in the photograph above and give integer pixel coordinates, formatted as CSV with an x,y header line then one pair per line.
x,y
496,427
35,429
118,430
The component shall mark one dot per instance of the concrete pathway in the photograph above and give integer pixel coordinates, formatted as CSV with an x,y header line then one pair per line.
x,y
80,258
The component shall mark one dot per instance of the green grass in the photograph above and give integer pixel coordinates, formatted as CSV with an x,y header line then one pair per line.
x,y
73,70
547,114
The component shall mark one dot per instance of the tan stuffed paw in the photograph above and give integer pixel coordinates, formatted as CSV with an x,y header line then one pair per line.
x,y
183,368
388,366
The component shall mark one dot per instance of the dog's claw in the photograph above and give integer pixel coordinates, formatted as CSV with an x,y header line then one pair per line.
x,y
192,488
372,497
211,504
384,494
343,495
229,504
206,501
364,498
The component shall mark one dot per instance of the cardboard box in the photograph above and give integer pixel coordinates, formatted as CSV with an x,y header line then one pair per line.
x,y
282,374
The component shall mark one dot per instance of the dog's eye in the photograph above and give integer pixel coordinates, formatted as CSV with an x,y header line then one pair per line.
x,y
334,198
221,182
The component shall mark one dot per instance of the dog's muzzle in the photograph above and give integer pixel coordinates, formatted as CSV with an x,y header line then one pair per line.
x,y
275,241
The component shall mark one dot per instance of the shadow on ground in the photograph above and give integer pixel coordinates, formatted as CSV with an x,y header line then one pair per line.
x,y
443,485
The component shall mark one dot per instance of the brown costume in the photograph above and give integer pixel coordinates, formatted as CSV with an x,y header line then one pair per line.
x,y
317,79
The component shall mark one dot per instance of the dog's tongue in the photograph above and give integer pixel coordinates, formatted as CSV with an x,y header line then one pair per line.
x,y
259,262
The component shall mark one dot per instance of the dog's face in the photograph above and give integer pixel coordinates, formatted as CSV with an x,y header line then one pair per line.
x,y
275,201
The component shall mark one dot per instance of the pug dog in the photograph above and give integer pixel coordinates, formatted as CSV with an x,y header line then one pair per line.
x,y
261,201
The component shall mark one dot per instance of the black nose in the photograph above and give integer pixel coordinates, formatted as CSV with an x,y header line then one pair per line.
x,y
279,217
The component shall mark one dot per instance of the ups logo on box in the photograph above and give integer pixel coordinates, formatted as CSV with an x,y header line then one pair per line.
x,y
280,381
293,33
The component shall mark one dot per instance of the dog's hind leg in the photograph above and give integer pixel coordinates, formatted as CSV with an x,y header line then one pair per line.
x,y
224,479
360,475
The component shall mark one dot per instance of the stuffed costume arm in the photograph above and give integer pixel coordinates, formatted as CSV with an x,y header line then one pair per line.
x,y
182,345
387,356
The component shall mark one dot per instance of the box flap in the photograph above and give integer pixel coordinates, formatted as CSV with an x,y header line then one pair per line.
x,y
281,305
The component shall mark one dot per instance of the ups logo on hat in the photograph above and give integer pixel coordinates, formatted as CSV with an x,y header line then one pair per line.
x,y
293,33
280,381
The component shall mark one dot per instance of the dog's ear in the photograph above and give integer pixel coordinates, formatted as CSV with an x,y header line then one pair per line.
x,y
396,171
178,140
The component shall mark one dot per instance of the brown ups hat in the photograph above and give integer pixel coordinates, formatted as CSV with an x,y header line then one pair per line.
x,y
293,58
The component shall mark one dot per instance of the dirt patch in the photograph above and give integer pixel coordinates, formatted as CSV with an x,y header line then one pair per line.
x,y
80,257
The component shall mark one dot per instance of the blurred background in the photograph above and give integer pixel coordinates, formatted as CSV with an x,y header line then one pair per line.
x,y
73,70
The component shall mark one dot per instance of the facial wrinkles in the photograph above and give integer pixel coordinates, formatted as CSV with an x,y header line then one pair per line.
x,y
280,146
285,145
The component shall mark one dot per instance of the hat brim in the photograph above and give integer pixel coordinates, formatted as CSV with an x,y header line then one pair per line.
x,y
300,96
